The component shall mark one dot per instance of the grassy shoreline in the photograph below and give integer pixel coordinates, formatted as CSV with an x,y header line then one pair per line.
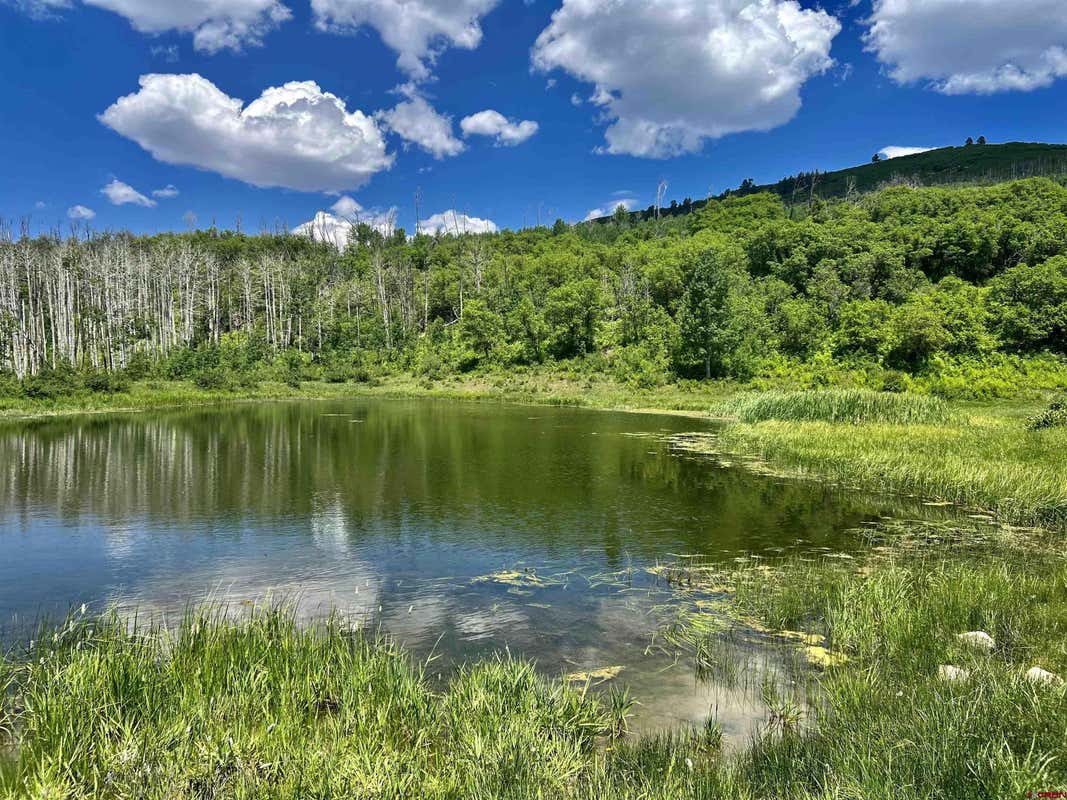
x,y
263,708
153,395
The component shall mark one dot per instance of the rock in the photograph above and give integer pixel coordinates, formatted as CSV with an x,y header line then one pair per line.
x,y
978,639
947,672
1043,677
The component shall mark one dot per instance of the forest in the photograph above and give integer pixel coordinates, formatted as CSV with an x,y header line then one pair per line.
x,y
904,288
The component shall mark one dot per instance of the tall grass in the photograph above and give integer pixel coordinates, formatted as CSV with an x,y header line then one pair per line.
x,y
986,461
887,725
265,709
851,406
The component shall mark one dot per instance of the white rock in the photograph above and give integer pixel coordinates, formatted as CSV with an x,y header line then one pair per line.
x,y
947,672
979,639
1043,677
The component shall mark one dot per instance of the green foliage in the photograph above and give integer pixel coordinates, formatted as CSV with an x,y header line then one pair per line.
x,y
926,285
52,383
722,326
291,368
1029,305
853,406
211,379
481,329
106,382
572,314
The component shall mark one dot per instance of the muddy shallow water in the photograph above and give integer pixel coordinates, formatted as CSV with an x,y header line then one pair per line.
x,y
461,529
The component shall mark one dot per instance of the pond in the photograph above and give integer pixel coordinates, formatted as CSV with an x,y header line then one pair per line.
x,y
461,529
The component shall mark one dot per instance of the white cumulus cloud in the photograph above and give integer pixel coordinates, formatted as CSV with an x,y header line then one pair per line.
x,y
673,73
214,24
168,192
40,9
895,151
608,209
122,194
336,228
493,123
414,120
971,46
454,222
294,136
417,30
80,213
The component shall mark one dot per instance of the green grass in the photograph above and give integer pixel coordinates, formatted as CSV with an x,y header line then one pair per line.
x,y
851,406
885,724
264,709
985,459
540,388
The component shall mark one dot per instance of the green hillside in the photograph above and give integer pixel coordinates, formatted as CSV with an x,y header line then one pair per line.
x,y
977,163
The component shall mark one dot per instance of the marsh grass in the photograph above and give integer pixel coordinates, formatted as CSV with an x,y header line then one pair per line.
x,y
985,460
884,723
850,406
263,708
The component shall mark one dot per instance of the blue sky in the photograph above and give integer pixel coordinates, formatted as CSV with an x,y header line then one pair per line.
x,y
589,101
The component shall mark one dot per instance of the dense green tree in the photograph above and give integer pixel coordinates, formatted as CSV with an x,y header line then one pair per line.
x,y
900,278
481,329
572,313
720,318
1029,306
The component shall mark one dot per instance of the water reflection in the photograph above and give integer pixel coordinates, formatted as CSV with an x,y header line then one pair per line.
x,y
387,511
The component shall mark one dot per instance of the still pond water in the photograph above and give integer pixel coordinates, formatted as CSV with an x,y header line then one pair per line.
x,y
390,512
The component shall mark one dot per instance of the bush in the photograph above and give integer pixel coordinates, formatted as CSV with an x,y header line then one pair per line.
x,y
10,386
139,366
1055,416
211,380
894,381
50,384
106,383
292,372
850,406
640,367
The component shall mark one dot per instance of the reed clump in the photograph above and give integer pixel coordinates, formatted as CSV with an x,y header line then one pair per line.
x,y
849,406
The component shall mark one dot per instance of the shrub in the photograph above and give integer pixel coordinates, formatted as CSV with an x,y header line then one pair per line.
x,y
10,386
850,406
105,383
50,384
894,381
212,379
1055,416
139,366
292,372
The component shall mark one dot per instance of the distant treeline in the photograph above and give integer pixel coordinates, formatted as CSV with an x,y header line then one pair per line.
x,y
976,164
894,280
